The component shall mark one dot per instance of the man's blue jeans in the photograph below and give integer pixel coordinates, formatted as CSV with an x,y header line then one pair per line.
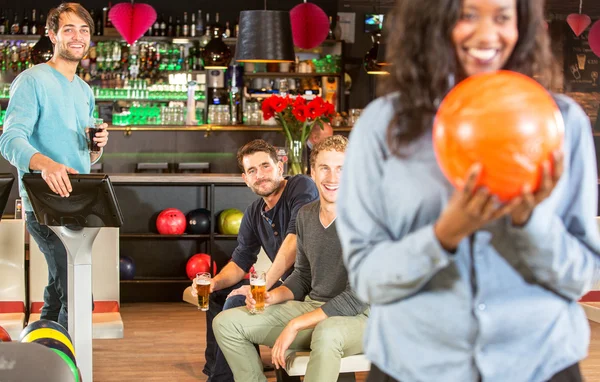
x,y
55,293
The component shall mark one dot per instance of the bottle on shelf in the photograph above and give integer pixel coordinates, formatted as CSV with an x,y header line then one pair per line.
x,y
178,28
25,25
15,28
7,23
170,27
199,24
156,27
41,26
163,26
2,21
192,26
337,32
330,35
107,22
205,39
33,25
235,84
185,30
227,32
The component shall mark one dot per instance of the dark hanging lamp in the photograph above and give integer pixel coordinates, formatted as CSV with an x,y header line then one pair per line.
x,y
42,51
265,36
216,53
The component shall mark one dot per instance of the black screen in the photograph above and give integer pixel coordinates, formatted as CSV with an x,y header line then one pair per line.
x,y
92,203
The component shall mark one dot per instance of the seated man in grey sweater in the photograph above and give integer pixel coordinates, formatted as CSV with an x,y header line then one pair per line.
x,y
314,308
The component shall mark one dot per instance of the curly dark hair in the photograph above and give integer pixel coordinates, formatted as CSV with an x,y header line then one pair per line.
x,y
255,146
424,62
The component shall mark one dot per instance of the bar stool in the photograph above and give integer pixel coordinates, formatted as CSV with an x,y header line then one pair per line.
x,y
193,167
159,167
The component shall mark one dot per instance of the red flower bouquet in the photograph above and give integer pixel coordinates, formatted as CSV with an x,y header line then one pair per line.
x,y
297,118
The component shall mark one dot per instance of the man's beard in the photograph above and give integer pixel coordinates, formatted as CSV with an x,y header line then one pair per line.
x,y
66,55
265,194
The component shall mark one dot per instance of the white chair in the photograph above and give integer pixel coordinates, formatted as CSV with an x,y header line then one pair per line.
x,y
296,362
12,276
106,318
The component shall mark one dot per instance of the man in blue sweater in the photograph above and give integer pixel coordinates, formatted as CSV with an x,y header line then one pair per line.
x,y
49,111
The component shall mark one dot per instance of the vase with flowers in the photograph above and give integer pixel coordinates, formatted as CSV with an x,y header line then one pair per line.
x,y
297,117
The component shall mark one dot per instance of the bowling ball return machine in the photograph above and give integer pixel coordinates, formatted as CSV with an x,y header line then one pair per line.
x,y
76,220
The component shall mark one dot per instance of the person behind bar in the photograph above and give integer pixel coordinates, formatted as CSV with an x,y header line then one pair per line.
x,y
270,223
463,287
48,114
314,308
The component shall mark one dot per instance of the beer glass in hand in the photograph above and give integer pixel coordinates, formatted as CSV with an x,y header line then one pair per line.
x,y
91,133
258,288
202,284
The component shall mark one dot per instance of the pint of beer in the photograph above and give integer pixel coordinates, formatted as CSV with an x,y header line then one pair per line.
x,y
258,288
202,283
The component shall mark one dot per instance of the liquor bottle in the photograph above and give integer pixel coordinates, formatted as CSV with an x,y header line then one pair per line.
x,y
25,25
7,24
235,85
206,37
192,27
150,30
15,28
170,27
178,28
33,26
2,21
199,24
41,26
337,32
330,35
227,32
163,26
156,27
107,22
186,27
99,29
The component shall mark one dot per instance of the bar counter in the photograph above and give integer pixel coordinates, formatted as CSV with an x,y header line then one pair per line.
x,y
175,179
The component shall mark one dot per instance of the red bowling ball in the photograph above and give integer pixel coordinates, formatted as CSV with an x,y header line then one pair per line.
x,y
171,222
199,263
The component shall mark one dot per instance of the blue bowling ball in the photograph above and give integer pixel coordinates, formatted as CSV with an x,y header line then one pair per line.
x,y
126,268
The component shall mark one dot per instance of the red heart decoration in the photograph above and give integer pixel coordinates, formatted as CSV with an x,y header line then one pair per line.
x,y
310,25
594,38
578,22
132,20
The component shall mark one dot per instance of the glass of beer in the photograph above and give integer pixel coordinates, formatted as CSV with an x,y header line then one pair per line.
x,y
258,288
202,283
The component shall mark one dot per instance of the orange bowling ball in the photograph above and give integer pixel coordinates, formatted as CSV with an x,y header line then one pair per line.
x,y
504,120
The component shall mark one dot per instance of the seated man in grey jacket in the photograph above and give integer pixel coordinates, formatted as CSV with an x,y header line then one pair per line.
x,y
314,308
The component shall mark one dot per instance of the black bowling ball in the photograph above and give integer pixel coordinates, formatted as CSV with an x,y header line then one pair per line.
x,y
198,222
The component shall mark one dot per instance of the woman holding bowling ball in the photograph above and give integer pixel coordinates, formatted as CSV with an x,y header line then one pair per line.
x,y
464,285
